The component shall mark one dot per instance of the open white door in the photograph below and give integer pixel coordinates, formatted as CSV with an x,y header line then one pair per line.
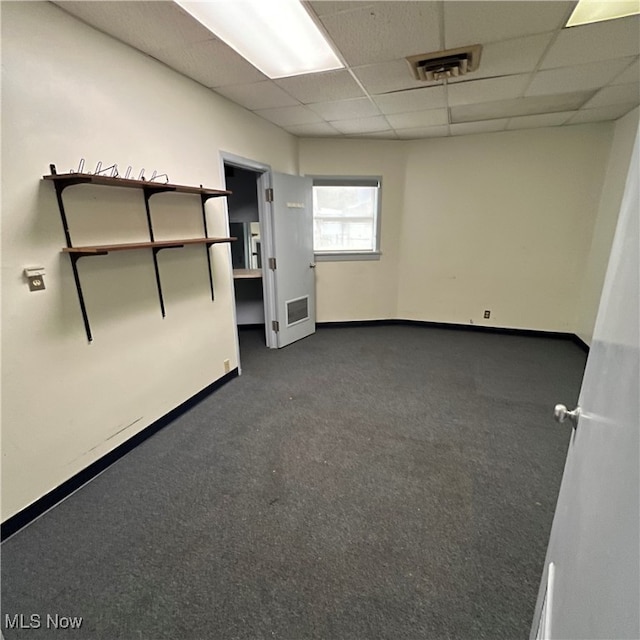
x,y
294,273
593,587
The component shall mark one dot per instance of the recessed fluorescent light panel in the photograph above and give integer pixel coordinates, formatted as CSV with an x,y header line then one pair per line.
x,y
588,11
278,37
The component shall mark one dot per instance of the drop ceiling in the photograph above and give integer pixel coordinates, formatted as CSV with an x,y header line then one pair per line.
x,y
532,73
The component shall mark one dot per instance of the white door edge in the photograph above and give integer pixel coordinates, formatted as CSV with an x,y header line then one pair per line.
x,y
267,250
543,627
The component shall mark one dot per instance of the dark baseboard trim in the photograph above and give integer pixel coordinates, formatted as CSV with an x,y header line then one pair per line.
x,y
457,327
245,327
580,342
33,511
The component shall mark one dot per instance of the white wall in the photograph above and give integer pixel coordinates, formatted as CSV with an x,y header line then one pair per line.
x,y
360,290
612,191
500,221
68,92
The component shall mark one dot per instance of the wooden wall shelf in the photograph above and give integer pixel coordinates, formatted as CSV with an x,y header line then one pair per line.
x,y
158,244
247,274
70,179
63,180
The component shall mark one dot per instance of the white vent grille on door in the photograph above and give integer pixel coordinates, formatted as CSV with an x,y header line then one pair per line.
x,y
450,63
297,310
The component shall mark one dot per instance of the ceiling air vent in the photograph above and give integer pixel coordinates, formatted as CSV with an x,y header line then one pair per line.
x,y
450,63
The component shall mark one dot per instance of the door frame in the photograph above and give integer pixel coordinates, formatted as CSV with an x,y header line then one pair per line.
x,y
265,218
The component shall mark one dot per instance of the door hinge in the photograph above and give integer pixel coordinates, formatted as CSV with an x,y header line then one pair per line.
x,y
272,263
275,325
269,194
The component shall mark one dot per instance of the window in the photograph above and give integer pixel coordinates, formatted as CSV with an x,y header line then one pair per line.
x,y
346,218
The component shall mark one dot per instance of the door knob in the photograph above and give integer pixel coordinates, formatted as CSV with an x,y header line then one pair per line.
x,y
561,413
312,265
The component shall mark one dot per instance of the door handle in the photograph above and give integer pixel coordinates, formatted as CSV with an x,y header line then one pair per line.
x,y
312,265
561,413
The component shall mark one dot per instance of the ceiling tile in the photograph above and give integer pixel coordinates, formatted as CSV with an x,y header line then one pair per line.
x,y
542,120
630,74
484,126
212,63
582,77
519,107
389,134
361,125
423,132
385,31
328,7
321,87
593,42
374,36
345,109
601,113
483,22
312,129
615,94
487,90
388,76
148,26
415,119
258,95
520,55
412,100
286,116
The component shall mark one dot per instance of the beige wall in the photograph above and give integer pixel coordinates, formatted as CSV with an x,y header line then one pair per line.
x,y
360,290
68,92
604,229
500,221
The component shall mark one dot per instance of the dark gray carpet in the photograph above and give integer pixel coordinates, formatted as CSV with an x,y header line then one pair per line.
x,y
365,483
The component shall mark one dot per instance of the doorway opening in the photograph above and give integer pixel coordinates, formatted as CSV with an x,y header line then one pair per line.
x,y
249,223
273,261
246,258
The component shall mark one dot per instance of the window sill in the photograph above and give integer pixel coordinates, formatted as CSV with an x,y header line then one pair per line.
x,y
347,256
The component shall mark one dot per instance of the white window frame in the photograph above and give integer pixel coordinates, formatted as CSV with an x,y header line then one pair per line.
x,y
352,181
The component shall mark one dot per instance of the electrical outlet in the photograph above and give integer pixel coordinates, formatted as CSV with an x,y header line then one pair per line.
x,y
227,366
36,283
35,278
487,314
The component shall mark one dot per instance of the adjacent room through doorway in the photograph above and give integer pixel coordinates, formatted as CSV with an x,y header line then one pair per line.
x,y
246,252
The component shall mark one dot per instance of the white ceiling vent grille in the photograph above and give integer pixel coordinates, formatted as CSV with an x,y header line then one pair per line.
x,y
450,63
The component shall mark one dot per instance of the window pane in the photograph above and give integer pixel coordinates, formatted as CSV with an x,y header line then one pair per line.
x,y
344,218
